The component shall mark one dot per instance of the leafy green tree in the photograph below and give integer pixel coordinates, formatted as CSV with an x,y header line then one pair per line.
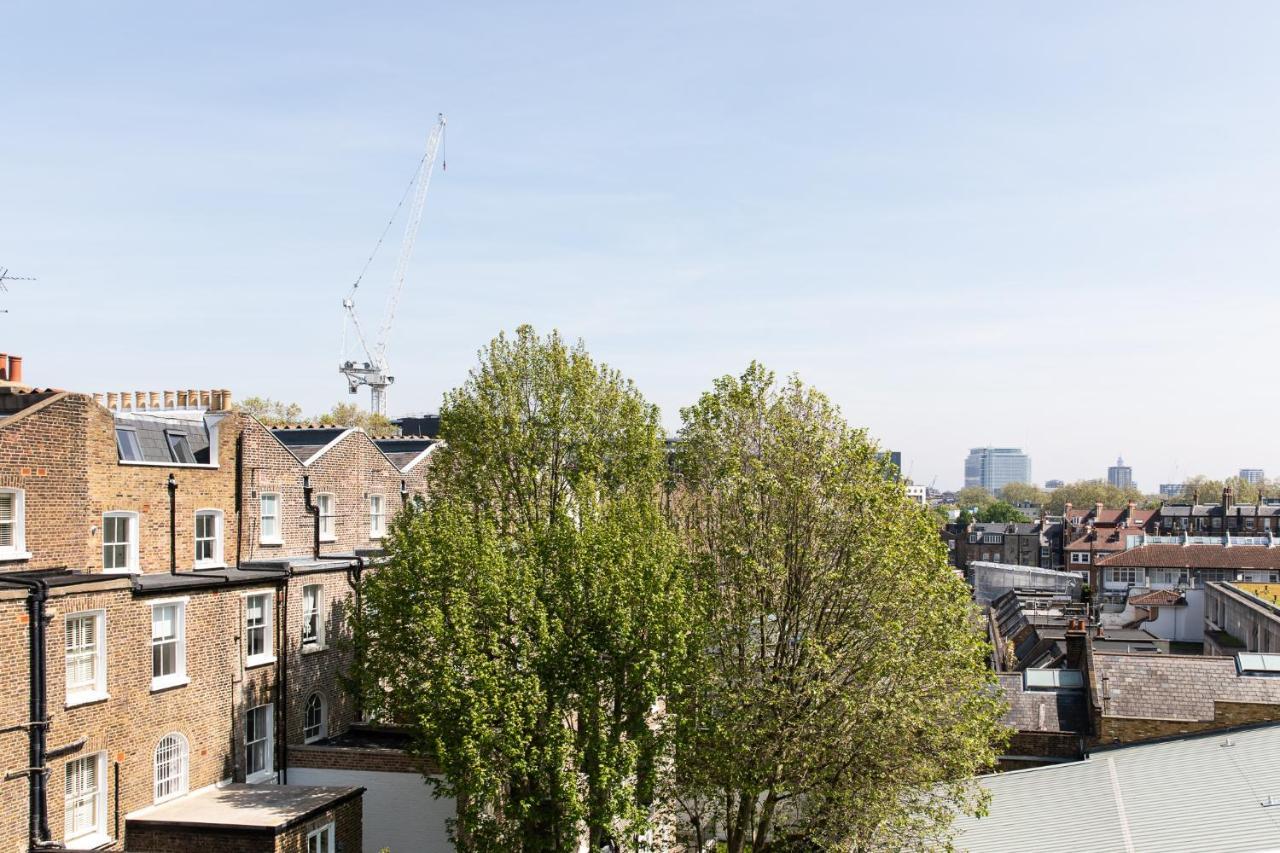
x,y
1024,493
974,496
841,696
964,518
1083,494
1000,511
534,608
351,415
271,412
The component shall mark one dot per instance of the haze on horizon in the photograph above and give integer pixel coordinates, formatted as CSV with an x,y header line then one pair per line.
x,y
1050,227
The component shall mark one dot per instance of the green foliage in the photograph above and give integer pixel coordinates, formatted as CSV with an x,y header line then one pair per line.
x,y
1024,493
840,695
1001,511
271,412
964,518
974,496
1083,494
351,415
533,611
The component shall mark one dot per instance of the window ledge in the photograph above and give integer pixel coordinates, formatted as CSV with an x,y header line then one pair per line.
x,y
259,660
169,682
14,555
313,648
204,567
88,697
270,541
328,538
144,463
376,535
260,777
89,842
122,571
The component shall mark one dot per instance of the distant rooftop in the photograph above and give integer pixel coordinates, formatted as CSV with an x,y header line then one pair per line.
x,y
1269,592
305,442
248,807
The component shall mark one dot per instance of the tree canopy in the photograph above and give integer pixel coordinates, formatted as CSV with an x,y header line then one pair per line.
x,y
1083,494
1001,511
534,609
275,413
840,692
974,496
1024,493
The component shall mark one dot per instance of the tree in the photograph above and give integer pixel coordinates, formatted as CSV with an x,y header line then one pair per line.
x,y
271,412
974,496
1001,512
1024,494
841,696
1083,494
532,610
351,415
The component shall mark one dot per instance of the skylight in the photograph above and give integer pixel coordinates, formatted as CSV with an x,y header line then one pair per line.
x,y
1052,678
1256,664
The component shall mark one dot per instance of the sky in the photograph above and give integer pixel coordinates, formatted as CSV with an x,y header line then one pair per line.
x,y
1050,226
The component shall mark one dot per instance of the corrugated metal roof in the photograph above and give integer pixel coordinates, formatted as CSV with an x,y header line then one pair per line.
x,y
1190,794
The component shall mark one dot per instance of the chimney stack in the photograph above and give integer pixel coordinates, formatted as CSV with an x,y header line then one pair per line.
x,y
15,368
1227,498
1077,638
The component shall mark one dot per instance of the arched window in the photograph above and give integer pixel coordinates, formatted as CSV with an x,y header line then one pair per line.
x,y
171,767
314,719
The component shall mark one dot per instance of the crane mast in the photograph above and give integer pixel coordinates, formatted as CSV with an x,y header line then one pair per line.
x,y
374,371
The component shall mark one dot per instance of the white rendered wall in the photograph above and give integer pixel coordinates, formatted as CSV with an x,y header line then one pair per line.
x,y
399,811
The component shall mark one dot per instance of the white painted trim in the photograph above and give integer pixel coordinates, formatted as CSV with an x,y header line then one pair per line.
x,y
268,629
278,539
219,535
99,690
332,515
187,466
17,551
178,678
322,451
132,566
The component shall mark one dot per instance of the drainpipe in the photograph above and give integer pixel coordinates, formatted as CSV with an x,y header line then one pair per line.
x,y
315,514
173,525
239,495
404,494
38,722
354,575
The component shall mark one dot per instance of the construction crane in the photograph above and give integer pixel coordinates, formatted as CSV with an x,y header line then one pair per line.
x,y
373,371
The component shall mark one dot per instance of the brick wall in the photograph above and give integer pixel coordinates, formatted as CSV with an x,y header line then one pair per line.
x,y
1117,730
346,818
358,758
348,829
317,669
1050,744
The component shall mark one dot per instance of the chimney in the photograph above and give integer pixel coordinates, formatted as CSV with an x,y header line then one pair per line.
x,y
1077,638
1133,507
4,367
1227,501
113,399
1097,510
15,368
168,400
226,399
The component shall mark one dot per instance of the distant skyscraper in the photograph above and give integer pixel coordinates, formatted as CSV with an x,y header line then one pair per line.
x,y
1120,475
993,468
1053,484
1253,476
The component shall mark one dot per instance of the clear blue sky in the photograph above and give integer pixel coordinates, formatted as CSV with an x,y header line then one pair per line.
x,y
1045,225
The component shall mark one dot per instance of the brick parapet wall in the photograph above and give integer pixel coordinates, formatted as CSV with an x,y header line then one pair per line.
x,y
358,758
1121,730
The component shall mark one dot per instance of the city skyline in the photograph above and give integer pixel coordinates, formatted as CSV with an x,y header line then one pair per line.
x,y
685,198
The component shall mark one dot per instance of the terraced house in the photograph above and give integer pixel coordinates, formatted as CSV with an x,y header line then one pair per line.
x,y
177,583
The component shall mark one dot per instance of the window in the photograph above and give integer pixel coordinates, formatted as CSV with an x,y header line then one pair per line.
x,y
324,503
85,797
168,644
120,542
127,444
1079,556
171,767
257,629
209,539
258,766
313,719
13,544
1125,575
377,518
179,448
86,657
992,538
321,840
269,528
312,627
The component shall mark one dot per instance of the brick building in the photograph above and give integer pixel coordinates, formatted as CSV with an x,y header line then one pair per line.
x,y
176,587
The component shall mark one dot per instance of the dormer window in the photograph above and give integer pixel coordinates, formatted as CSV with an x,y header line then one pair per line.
x,y
127,443
179,448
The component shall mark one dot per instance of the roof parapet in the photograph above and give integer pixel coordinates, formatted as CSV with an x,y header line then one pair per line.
x,y
213,400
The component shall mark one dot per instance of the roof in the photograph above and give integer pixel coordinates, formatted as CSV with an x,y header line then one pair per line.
x,y
1170,556
1175,687
248,807
1268,592
1104,539
404,453
306,443
154,429
1160,597
1187,794
17,398
166,582
1056,710
1265,509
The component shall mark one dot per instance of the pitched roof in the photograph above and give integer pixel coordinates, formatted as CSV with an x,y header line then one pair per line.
x,y
153,431
1175,687
404,453
305,443
1192,793
1042,710
1172,556
1162,597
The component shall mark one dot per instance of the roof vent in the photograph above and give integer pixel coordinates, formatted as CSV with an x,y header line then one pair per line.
x,y
1271,800
1229,742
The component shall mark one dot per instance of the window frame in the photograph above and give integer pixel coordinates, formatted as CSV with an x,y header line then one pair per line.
x,y
131,545
268,741
98,690
18,549
276,538
322,728
268,653
378,520
176,441
328,519
135,445
323,834
314,641
183,775
96,834
178,677
217,560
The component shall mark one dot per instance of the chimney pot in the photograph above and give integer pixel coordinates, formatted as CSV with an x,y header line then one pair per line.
x,y
182,399
206,399
168,400
99,399
155,399
15,368
226,399
140,400
126,400
4,366
113,400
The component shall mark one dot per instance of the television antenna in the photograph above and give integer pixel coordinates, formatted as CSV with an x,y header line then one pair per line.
x,y
4,276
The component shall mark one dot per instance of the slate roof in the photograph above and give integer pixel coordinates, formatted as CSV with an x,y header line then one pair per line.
x,y
1175,687
1060,710
1172,556
403,452
1188,794
1208,510
152,431
305,442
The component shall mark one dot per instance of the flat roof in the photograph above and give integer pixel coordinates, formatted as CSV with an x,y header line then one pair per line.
x,y
246,807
